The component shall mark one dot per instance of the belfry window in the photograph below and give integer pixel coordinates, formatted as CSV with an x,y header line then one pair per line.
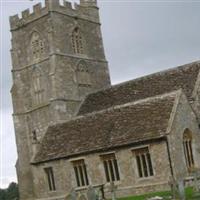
x,y
80,173
144,163
187,146
37,45
110,167
77,41
50,178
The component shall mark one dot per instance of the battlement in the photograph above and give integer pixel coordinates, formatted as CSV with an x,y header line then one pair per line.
x,y
86,9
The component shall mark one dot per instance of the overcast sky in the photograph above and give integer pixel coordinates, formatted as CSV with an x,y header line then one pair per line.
x,y
140,37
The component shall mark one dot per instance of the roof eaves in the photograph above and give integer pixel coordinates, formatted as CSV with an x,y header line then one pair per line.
x,y
136,143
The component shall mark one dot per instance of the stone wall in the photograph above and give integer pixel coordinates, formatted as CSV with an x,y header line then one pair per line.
x,y
184,119
129,183
45,89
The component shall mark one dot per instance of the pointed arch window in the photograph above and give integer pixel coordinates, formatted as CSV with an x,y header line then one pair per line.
x,y
188,151
83,75
38,87
77,41
37,45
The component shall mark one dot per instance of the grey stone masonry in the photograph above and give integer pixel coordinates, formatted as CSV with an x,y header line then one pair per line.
x,y
58,58
74,130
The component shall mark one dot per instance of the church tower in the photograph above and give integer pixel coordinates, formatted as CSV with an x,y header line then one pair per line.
x,y
58,58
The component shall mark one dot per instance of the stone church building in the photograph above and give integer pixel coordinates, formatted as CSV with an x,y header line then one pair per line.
x,y
74,129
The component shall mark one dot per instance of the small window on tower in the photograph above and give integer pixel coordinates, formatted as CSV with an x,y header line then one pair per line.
x,y
83,75
37,45
77,41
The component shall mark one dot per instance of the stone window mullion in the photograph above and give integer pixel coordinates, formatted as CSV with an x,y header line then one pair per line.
x,y
147,164
185,152
84,176
80,173
187,147
188,154
106,170
110,167
143,160
50,178
114,171
191,152
142,166
77,176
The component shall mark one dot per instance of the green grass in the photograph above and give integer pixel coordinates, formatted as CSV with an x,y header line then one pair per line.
x,y
188,192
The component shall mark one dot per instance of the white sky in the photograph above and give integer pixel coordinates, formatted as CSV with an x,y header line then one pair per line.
x,y
140,37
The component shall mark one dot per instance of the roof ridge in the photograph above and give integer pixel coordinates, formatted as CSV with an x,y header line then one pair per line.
x,y
140,118
148,99
162,72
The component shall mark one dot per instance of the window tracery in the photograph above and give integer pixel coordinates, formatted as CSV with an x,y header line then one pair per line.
x,y
83,75
110,167
37,45
188,151
144,162
77,41
80,171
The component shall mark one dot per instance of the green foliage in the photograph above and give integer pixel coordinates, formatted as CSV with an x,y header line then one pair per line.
x,y
11,193
145,196
2,194
166,194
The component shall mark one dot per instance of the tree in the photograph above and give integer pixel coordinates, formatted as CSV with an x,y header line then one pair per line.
x,y
11,193
2,194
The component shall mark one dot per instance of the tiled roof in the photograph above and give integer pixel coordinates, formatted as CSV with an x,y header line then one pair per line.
x,y
114,127
183,77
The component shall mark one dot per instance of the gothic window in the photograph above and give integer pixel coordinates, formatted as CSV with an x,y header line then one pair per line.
x,y
187,146
37,87
110,167
144,163
50,178
77,41
37,45
83,75
80,173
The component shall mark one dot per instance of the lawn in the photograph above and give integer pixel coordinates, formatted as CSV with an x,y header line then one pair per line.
x,y
165,194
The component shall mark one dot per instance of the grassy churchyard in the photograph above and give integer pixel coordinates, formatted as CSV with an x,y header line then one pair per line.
x,y
189,192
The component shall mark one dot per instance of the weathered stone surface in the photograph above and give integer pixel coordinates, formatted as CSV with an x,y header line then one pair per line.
x,y
45,88
50,82
183,77
125,125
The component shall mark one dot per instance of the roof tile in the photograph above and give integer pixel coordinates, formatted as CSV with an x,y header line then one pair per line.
x,y
118,126
183,77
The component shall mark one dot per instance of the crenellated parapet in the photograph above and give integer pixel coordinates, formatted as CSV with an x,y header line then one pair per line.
x,y
86,9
